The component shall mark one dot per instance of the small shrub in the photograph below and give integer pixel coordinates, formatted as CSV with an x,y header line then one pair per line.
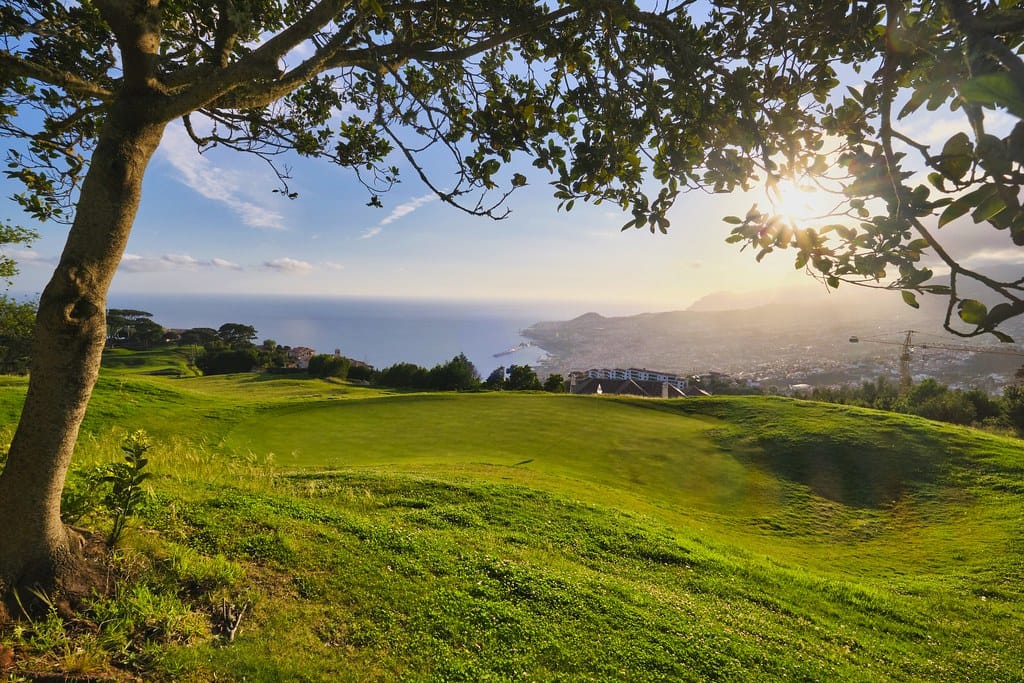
x,y
126,478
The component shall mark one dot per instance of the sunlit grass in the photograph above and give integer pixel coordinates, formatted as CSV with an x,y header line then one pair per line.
x,y
383,536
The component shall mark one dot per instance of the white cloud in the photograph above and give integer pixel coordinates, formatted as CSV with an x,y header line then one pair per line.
x,y
288,265
216,183
224,263
28,257
136,263
331,265
1010,256
934,128
398,212
181,260
408,207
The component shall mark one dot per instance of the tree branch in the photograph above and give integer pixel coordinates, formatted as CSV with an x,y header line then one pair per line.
x,y
136,25
227,34
333,56
70,83
261,63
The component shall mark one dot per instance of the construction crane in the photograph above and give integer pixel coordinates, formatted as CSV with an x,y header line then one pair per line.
x,y
907,346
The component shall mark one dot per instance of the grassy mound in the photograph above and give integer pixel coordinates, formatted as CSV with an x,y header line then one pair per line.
x,y
376,536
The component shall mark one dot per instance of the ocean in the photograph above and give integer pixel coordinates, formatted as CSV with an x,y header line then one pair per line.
x,y
380,332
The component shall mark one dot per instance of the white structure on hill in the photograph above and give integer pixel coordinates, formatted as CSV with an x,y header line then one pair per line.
x,y
637,375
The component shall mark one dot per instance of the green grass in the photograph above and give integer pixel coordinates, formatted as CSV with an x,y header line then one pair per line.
x,y
383,536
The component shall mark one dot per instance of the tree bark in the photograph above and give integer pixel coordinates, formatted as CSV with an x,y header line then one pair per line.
x,y
70,332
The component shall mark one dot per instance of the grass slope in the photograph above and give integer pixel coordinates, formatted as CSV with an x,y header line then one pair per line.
x,y
537,537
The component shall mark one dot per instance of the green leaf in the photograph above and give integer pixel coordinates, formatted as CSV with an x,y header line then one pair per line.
x,y
996,89
953,211
989,208
910,299
733,220
918,98
972,311
957,157
1001,336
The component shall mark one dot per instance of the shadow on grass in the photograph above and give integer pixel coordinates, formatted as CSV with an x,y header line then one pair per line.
x,y
860,458
854,472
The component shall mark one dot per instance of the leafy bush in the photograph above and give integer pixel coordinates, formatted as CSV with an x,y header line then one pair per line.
x,y
403,376
325,365
126,478
227,361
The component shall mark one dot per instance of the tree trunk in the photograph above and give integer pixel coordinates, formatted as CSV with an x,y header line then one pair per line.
x,y
70,332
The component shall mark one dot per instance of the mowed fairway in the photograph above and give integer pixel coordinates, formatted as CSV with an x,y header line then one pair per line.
x,y
566,441
839,488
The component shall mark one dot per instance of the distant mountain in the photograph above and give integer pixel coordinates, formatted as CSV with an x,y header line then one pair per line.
x,y
792,337
735,301
804,295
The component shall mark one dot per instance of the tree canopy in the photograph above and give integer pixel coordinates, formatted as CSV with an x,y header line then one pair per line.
x,y
620,102
930,135
522,378
236,335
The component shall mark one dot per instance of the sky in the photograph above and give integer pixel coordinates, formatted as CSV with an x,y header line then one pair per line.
x,y
211,223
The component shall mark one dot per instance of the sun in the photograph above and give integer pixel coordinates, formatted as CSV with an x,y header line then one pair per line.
x,y
801,203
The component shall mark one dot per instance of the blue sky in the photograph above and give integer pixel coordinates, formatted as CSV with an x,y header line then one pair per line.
x,y
211,223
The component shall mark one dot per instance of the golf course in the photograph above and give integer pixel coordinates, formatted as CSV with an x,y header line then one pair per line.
x,y
364,534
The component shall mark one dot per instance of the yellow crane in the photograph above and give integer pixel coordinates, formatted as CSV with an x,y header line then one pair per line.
x,y
908,346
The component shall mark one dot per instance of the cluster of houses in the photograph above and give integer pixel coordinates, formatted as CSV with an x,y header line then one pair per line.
x,y
639,382
298,356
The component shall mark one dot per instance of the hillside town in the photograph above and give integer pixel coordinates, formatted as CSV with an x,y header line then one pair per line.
x,y
772,349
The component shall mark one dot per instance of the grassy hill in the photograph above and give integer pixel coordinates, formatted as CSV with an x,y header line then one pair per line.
x,y
385,536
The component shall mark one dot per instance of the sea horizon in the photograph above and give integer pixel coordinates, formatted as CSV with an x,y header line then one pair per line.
x,y
380,331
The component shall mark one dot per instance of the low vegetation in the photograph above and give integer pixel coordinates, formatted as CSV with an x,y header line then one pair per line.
x,y
936,401
298,529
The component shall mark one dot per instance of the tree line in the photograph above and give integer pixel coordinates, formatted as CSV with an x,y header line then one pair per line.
x,y
232,348
936,401
460,374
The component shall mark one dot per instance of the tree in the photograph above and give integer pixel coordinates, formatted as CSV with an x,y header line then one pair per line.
x,y
326,365
198,336
132,328
360,372
12,234
613,102
224,361
458,374
404,376
522,378
1013,402
16,322
236,335
495,380
554,383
